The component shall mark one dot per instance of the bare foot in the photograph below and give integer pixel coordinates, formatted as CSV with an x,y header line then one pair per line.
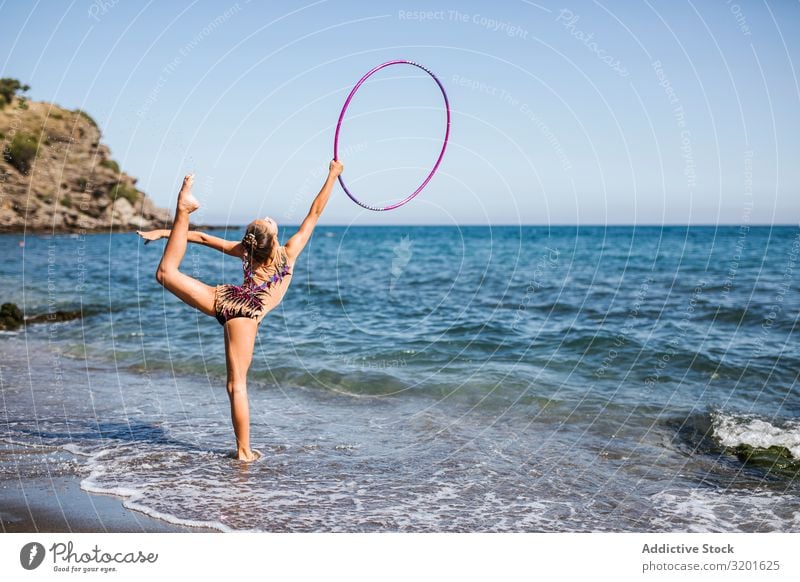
x,y
186,201
253,455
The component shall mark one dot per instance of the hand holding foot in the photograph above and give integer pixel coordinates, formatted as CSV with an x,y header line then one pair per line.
x,y
186,201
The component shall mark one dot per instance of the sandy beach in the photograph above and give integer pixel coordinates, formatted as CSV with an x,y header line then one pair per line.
x,y
58,505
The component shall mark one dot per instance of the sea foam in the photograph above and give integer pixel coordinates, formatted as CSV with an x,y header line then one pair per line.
x,y
733,430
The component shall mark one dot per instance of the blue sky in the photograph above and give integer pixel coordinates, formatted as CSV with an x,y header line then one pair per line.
x,y
562,113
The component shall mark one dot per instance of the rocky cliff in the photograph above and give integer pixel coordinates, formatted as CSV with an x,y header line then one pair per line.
x,y
56,175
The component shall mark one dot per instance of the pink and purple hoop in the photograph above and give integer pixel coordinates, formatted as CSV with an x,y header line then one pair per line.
x,y
339,125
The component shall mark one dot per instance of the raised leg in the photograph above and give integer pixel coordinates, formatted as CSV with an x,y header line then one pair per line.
x,y
240,339
186,288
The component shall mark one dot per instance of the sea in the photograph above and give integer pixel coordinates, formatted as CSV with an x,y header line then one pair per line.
x,y
425,379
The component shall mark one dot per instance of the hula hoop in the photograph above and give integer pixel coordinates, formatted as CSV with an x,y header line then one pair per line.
x,y
339,125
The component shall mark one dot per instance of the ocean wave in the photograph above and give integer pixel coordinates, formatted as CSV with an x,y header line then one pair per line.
x,y
715,510
475,327
105,478
362,381
748,316
738,450
587,341
752,434
740,315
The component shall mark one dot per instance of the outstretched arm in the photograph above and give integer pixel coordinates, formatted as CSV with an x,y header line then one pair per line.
x,y
298,242
228,247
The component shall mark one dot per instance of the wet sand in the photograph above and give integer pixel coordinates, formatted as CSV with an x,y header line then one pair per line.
x,y
55,503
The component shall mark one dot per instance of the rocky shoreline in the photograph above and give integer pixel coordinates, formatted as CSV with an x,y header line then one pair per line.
x,y
57,177
12,317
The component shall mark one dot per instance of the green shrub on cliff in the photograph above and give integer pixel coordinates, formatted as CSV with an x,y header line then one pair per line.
x,y
21,151
121,190
111,165
8,90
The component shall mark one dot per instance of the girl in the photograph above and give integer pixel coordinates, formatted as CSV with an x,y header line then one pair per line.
x,y
239,308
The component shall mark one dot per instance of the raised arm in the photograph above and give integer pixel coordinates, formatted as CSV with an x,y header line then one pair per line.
x,y
298,241
229,247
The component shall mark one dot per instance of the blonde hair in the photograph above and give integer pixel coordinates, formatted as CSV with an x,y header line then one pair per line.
x,y
260,245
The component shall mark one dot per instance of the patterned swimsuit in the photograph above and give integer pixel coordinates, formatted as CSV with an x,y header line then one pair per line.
x,y
249,299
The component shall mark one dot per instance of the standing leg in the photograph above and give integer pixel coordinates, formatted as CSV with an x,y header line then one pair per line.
x,y
189,290
240,339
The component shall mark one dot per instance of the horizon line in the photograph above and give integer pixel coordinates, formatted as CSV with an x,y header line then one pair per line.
x,y
558,224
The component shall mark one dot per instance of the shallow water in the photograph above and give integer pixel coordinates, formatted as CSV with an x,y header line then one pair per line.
x,y
430,379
